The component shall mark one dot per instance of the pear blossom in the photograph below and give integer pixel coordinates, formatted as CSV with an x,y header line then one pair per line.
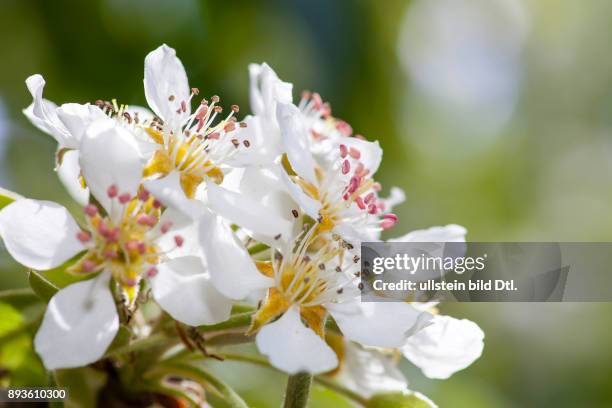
x,y
68,123
445,347
193,145
133,239
312,279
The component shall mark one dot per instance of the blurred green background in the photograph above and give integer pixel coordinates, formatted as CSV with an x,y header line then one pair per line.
x,y
494,114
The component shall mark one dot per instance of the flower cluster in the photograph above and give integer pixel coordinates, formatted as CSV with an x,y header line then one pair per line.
x,y
202,209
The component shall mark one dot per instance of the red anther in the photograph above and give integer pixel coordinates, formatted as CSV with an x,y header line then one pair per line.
x,y
91,210
132,245
143,219
178,240
157,203
152,271
143,195
360,203
353,184
83,236
372,209
355,154
343,151
386,224
214,136
346,167
183,106
88,265
166,227
124,198
112,191
103,229
376,186
390,216
344,128
142,248
370,197
113,235
195,91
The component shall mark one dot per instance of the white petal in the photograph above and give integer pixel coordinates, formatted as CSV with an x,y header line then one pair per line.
x,y
369,371
80,323
39,234
77,118
168,190
165,77
68,173
294,135
264,138
370,152
42,113
180,225
380,324
265,89
109,156
447,233
445,347
231,268
396,197
259,207
308,204
293,347
183,288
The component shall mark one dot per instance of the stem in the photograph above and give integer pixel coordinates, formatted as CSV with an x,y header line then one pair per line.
x,y
298,390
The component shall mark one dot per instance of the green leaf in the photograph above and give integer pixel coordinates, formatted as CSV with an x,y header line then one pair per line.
x,y
23,368
83,385
7,197
46,284
42,286
398,400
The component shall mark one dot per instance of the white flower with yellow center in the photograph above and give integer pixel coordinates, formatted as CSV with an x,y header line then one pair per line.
x,y
314,278
133,239
196,146
68,123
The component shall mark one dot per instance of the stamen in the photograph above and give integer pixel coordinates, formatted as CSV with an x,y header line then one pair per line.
x,y
112,191
91,210
179,240
124,198
83,236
